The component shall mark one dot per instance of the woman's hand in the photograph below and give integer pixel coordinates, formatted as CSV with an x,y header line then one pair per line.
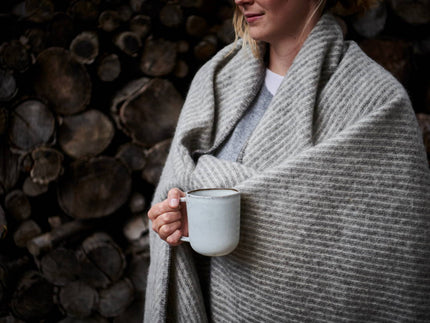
x,y
169,219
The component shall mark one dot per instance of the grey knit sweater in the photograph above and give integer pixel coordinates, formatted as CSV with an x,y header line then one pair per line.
x,y
335,189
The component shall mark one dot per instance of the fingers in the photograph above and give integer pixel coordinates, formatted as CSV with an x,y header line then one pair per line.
x,y
168,205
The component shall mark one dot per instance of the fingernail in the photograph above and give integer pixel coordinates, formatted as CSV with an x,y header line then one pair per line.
x,y
174,202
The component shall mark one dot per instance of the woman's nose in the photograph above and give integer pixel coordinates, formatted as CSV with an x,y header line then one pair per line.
x,y
242,2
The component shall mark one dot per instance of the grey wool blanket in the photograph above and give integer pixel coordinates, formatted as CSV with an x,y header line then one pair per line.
x,y
335,194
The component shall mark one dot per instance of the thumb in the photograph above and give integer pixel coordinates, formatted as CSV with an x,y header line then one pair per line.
x,y
174,196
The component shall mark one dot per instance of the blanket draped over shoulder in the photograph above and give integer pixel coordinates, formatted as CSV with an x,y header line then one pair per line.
x,y
335,193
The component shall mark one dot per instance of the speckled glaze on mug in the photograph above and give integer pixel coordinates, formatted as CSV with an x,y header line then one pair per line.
x,y
213,220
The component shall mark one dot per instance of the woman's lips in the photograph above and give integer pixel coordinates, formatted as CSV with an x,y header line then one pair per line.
x,y
250,18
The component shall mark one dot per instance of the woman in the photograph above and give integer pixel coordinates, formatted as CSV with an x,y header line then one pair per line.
x,y
324,146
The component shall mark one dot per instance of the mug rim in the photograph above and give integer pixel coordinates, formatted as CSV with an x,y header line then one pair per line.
x,y
234,192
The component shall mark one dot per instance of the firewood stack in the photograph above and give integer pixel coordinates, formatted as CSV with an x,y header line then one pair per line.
x,y
90,92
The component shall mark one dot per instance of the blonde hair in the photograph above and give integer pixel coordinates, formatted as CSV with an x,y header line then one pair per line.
x,y
341,7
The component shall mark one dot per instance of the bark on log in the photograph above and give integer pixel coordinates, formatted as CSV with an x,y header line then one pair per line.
x,y
371,23
49,240
85,47
109,68
26,231
32,124
132,155
17,205
9,168
8,87
33,297
94,189
412,11
62,81
77,299
171,15
141,25
129,42
115,299
109,20
14,56
47,165
102,261
86,134
158,58
60,266
32,189
155,159
150,115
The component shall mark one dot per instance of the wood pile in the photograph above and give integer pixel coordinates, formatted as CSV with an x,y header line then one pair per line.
x,y
90,92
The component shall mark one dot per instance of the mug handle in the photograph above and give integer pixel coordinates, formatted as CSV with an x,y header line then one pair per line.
x,y
183,238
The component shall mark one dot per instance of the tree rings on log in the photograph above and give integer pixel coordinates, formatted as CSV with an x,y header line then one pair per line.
x,y
132,155
109,20
8,87
18,205
412,11
102,260
62,81
85,47
155,159
32,298
158,58
171,15
115,299
86,134
141,25
151,114
109,68
77,299
31,188
32,124
60,266
14,56
47,165
26,231
95,188
129,42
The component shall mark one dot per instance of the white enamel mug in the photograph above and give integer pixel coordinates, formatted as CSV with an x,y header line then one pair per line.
x,y
213,220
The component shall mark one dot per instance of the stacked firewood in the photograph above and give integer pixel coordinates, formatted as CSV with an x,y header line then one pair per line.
x,y
90,92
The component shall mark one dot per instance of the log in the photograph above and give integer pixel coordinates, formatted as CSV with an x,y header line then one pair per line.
x,y
125,12
129,42
412,11
137,272
150,115
26,231
32,124
86,134
3,224
196,26
8,86
39,11
102,260
155,159
158,58
10,319
85,47
181,69
191,3
11,270
206,48
115,299
9,168
394,55
95,188
225,32
135,227
109,20
14,56
35,39
171,15
49,240
77,299
132,155
32,298
133,313
32,189
182,46
47,165
62,81
141,25
60,266
372,22
91,319
424,122
18,205
84,10
3,120
109,68
61,30
137,203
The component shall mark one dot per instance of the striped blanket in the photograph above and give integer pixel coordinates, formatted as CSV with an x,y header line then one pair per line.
x,y
335,194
